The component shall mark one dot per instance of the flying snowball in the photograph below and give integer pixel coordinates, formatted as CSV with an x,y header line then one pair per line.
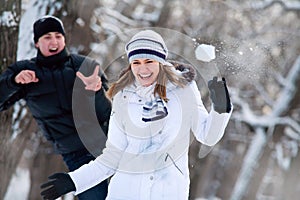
x,y
205,52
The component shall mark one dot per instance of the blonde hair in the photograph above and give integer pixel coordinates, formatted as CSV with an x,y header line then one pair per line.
x,y
166,73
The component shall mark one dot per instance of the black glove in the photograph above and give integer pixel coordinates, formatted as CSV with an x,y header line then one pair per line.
x,y
57,185
219,95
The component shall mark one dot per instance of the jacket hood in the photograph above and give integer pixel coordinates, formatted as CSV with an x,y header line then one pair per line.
x,y
186,70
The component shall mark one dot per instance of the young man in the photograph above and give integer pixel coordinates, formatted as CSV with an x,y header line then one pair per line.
x,y
62,107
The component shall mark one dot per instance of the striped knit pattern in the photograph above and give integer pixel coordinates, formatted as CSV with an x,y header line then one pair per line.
x,y
147,45
154,110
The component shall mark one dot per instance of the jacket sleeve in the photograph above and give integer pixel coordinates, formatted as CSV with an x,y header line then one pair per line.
x,y
208,128
102,107
105,164
10,92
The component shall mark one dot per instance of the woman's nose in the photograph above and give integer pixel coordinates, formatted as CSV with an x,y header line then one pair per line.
x,y
143,66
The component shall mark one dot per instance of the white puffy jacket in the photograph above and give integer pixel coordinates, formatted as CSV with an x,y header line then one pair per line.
x,y
149,160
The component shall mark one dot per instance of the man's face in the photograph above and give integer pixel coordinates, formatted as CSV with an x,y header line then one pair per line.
x,y
51,43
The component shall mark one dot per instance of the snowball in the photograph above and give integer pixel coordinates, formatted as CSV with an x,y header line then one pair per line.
x,y
205,52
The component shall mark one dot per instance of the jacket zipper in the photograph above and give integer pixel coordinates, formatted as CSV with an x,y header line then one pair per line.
x,y
168,155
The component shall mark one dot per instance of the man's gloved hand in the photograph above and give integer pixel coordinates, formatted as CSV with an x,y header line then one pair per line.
x,y
57,185
219,95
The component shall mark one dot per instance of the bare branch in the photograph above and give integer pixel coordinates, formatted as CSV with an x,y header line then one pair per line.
x,y
289,91
254,153
286,5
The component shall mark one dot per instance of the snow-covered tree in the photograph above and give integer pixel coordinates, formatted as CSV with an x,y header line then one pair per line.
x,y
257,51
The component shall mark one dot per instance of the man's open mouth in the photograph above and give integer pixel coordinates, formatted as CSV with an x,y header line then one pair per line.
x,y
53,50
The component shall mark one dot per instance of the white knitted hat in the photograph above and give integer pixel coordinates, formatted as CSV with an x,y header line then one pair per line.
x,y
147,44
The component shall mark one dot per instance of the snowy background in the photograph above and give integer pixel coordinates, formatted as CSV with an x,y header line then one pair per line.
x,y
254,44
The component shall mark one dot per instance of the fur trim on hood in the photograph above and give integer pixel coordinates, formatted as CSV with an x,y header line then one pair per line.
x,y
187,70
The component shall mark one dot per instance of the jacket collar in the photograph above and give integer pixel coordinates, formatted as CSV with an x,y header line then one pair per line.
x,y
52,61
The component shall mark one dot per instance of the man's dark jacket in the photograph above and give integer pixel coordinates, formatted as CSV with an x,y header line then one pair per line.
x,y
58,98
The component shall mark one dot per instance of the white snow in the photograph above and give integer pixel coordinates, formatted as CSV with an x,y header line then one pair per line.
x,y
18,107
19,185
80,22
34,10
7,19
205,52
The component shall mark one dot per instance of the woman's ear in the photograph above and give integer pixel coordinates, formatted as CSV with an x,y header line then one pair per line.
x,y
36,45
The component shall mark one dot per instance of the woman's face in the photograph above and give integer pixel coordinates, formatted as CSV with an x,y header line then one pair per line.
x,y
145,71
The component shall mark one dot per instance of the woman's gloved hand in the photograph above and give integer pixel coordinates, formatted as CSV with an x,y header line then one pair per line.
x,y
219,95
57,185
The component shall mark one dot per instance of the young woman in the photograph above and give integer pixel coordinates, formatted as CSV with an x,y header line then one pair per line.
x,y
156,105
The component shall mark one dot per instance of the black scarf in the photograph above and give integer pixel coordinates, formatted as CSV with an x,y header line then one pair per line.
x,y
52,61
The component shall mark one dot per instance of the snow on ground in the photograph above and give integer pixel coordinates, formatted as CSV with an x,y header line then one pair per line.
x,y
19,185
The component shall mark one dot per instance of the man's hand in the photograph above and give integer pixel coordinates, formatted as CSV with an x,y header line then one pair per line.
x,y
26,76
219,95
92,82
